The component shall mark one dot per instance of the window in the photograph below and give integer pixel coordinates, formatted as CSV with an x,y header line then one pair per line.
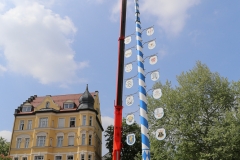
x,y
90,120
47,104
29,124
61,122
26,108
58,157
72,122
89,157
21,126
24,158
38,157
83,139
41,141
82,156
27,142
84,120
69,157
68,105
19,142
70,140
43,122
15,158
90,140
60,141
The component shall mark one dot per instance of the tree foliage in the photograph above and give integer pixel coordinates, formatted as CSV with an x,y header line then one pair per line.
x,y
4,148
202,118
127,152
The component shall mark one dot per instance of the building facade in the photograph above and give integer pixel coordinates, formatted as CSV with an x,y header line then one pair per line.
x,y
64,127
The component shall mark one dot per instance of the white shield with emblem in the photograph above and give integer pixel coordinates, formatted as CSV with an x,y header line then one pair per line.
x,y
128,40
157,93
153,60
129,83
128,53
129,100
152,44
130,119
131,139
128,67
161,134
150,31
158,113
155,76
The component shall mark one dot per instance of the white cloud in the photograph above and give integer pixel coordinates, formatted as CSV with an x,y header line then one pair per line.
x,y
106,121
2,5
2,69
37,42
171,15
6,135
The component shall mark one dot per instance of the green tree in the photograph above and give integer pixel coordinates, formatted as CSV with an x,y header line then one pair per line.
x,y
4,146
201,117
127,152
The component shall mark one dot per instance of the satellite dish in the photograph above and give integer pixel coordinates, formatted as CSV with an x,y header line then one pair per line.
x,y
129,83
130,119
161,134
129,100
127,40
153,60
155,75
157,93
128,53
131,139
128,67
150,31
152,44
158,113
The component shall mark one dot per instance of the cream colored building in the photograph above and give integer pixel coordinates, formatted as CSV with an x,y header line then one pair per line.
x,y
64,127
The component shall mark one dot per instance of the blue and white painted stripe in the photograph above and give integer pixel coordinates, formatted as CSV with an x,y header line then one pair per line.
x,y
142,90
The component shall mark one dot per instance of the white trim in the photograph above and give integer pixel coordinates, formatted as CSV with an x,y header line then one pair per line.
x,y
41,134
60,134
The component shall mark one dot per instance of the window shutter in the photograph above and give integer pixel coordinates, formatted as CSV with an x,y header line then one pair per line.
x,y
61,122
70,140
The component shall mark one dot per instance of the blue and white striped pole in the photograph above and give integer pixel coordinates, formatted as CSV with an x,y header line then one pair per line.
x,y
142,90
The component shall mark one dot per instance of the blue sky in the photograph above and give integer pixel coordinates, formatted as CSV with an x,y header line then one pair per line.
x,y
57,47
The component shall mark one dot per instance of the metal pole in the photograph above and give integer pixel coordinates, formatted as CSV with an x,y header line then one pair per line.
x,y
117,137
142,90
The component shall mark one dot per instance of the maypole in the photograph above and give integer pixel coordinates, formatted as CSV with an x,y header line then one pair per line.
x,y
141,88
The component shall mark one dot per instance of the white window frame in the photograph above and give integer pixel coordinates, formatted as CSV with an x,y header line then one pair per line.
x,y
69,140
82,156
43,122
27,141
71,120
58,144
19,140
24,157
83,138
59,125
39,159
84,120
89,157
68,105
39,144
90,121
68,156
21,125
58,156
90,139
26,108
29,126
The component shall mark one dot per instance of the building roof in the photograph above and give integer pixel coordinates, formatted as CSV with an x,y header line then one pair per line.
x,y
86,100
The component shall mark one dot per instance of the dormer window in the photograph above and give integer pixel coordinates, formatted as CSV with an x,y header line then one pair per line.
x,y
26,108
47,104
68,105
